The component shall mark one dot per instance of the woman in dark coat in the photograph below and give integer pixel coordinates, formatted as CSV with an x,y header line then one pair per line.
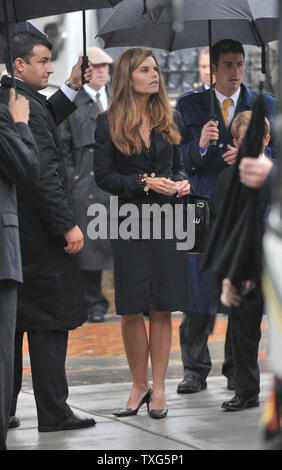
x,y
138,159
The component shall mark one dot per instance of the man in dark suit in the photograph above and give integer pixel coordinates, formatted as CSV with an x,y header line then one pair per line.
x,y
50,302
77,133
204,162
19,165
204,69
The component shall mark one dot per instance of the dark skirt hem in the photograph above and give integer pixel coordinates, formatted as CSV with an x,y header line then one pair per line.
x,y
158,309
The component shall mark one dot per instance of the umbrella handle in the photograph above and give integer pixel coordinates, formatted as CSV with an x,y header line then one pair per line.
x,y
213,142
212,116
84,66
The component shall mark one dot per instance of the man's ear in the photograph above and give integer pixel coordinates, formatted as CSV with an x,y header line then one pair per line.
x,y
19,64
235,142
267,140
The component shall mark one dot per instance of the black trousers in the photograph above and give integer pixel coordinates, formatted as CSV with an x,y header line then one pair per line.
x,y
47,351
244,330
96,302
194,332
8,310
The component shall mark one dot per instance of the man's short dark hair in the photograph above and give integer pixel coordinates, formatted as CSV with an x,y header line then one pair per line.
x,y
22,45
226,46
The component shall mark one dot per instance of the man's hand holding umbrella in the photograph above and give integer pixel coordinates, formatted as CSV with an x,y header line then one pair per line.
x,y
76,77
209,132
254,172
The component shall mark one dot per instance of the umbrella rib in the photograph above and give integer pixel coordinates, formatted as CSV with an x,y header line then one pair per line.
x,y
172,40
260,43
106,42
256,33
15,11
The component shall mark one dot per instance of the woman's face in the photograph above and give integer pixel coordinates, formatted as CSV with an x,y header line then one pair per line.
x,y
145,79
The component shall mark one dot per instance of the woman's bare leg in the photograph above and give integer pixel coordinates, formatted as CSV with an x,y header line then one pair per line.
x,y
160,345
136,347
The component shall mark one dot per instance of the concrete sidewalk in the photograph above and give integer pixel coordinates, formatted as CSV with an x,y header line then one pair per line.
x,y
194,422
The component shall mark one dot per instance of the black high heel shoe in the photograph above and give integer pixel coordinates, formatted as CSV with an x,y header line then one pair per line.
x,y
157,414
130,412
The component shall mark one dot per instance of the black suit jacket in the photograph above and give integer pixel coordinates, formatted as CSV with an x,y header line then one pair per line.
x,y
50,297
19,165
118,173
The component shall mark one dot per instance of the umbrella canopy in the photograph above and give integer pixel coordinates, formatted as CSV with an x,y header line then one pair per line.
x,y
20,10
15,11
234,245
250,21
24,26
203,23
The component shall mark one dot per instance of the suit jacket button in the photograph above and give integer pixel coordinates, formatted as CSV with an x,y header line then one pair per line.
x,y
76,177
153,175
91,173
91,197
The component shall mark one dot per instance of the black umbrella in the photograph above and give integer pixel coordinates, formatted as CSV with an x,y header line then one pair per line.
x,y
135,23
234,245
21,10
15,11
24,26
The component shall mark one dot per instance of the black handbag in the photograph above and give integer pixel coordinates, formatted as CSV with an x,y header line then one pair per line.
x,y
203,221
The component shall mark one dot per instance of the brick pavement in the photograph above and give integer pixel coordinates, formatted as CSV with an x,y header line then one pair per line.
x,y
104,339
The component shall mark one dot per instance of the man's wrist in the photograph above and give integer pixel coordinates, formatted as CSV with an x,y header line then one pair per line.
x,y
203,149
71,86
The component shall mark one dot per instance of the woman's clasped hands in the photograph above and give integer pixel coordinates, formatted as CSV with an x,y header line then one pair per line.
x,y
169,187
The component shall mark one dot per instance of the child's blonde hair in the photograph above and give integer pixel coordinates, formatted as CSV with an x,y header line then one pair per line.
x,y
243,119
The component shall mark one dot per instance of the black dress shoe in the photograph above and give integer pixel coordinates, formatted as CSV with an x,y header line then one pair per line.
x,y
240,403
14,422
192,384
73,422
96,317
132,412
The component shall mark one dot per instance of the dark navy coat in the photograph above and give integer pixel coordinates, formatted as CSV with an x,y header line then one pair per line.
x,y
194,109
195,112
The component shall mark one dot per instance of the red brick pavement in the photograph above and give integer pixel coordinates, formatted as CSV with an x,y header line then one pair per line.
x,y
104,339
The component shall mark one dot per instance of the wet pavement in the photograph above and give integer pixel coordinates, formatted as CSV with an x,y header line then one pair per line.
x,y
99,384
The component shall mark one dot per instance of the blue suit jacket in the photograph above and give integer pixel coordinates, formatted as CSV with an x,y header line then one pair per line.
x,y
194,109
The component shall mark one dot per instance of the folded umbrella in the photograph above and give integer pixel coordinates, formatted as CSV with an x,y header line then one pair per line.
x,y
236,242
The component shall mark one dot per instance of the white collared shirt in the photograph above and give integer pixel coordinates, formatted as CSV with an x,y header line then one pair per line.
x,y
103,94
232,107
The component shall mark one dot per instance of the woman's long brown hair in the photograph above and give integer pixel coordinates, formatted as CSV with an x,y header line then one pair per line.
x,y
124,115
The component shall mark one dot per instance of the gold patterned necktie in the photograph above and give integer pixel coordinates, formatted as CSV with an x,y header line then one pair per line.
x,y
225,107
